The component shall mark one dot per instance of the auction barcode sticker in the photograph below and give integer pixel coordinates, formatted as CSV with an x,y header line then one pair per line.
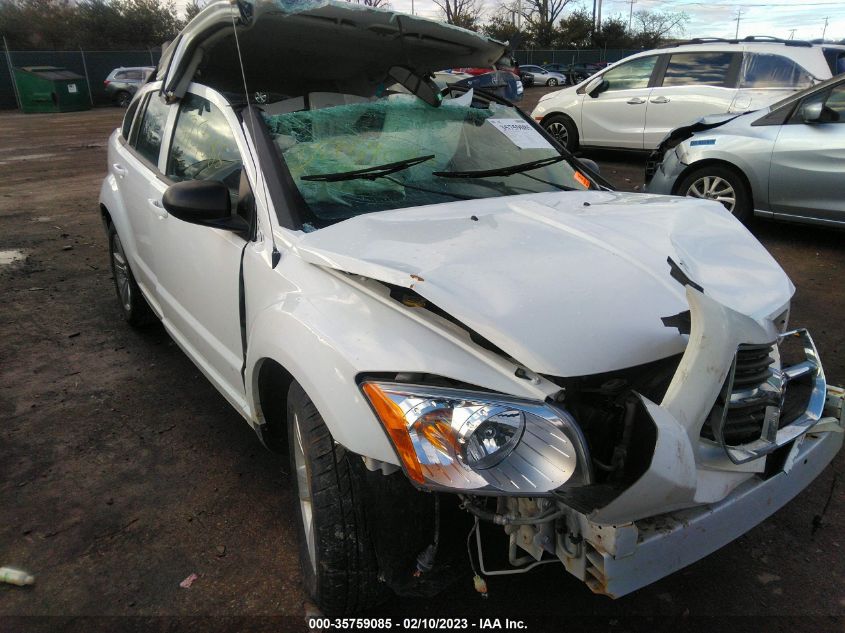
x,y
521,133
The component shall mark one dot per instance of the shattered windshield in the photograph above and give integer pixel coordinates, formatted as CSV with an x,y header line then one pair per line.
x,y
368,155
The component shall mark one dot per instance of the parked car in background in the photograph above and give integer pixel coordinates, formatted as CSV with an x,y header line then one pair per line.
x,y
786,161
636,102
350,267
543,77
580,71
526,77
122,83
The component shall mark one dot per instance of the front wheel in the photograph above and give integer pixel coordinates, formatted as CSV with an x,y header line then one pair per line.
x,y
563,130
336,554
721,184
551,82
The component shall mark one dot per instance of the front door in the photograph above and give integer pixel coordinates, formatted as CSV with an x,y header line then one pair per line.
x,y
198,267
806,177
616,116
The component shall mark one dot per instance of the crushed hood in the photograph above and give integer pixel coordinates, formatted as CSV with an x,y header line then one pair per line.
x,y
568,284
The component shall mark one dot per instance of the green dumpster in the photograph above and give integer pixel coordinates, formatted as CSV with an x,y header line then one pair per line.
x,y
51,89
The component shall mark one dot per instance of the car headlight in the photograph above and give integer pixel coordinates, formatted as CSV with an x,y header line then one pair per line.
x,y
462,440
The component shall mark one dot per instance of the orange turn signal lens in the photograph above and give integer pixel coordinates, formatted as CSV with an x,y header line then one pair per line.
x,y
394,421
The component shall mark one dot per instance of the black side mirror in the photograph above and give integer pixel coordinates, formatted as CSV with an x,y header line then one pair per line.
x,y
599,88
203,202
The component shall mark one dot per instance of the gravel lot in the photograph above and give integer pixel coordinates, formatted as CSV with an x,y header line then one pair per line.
x,y
122,471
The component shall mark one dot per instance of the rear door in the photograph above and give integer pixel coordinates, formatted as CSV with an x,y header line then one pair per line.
x,y
137,171
616,116
693,84
807,177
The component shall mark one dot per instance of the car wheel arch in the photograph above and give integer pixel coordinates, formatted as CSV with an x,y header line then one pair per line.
x,y
715,162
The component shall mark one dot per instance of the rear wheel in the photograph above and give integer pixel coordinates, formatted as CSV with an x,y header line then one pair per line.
x,y
551,82
721,184
135,309
563,130
122,99
336,554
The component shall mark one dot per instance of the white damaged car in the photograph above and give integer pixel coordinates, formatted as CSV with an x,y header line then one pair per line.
x,y
447,320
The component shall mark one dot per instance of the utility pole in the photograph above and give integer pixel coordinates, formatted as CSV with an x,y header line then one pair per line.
x,y
412,8
792,34
598,17
631,13
824,31
738,18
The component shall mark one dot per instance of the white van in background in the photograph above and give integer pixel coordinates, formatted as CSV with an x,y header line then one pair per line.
x,y
635,102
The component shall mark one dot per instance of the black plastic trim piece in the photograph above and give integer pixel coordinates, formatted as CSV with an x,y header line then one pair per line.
x,y
680,276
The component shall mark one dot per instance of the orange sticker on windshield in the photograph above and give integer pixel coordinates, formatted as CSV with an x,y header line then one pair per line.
x,y
581,179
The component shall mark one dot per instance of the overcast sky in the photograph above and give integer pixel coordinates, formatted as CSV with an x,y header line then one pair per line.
x,y
714,18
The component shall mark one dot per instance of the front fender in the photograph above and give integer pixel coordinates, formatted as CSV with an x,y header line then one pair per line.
x,y
327,336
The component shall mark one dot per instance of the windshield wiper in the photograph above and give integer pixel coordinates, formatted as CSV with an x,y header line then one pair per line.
x,y
501,171
368,173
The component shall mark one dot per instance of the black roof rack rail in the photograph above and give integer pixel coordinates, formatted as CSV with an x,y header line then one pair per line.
x,y
750,38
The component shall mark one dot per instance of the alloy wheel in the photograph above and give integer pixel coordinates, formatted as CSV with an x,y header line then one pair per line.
x,y
552,82
303,484
714,188
121,274
559,132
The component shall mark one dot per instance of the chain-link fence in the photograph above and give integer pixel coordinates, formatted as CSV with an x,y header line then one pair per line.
x,y
573,56
96,65
93,65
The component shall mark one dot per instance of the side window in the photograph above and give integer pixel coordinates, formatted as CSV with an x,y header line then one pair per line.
x,y
127,119
203,146
121,75
151,130
834,107
703,69
133,75
633,74
772,71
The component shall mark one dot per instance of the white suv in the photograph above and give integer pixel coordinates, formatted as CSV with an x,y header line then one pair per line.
x,y
634,103
440,315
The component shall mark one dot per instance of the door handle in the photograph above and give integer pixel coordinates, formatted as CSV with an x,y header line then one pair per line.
x,y
660,100
636,101
119,169
159,210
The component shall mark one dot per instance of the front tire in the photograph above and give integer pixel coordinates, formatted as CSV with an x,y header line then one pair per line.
x,y
563,130
551,82
134,307
336,554
722,184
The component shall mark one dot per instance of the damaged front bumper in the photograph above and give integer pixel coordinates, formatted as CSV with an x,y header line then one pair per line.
x,y
703,488
617,560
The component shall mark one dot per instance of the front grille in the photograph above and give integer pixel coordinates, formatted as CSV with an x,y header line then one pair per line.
x,y
747,398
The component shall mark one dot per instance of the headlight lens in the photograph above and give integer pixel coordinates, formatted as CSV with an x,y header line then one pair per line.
x,y
462,440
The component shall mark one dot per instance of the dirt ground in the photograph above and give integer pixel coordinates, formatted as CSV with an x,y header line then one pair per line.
x,y
122,471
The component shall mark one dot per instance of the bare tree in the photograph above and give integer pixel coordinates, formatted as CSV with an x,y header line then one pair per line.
x,y
373,3
540,17
465,13
652,27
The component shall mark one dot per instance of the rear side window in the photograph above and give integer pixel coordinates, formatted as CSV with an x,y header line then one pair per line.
x,y
133,74
835,104
772,71
836,60
151,130
203,146
127,119
702,69
633,74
